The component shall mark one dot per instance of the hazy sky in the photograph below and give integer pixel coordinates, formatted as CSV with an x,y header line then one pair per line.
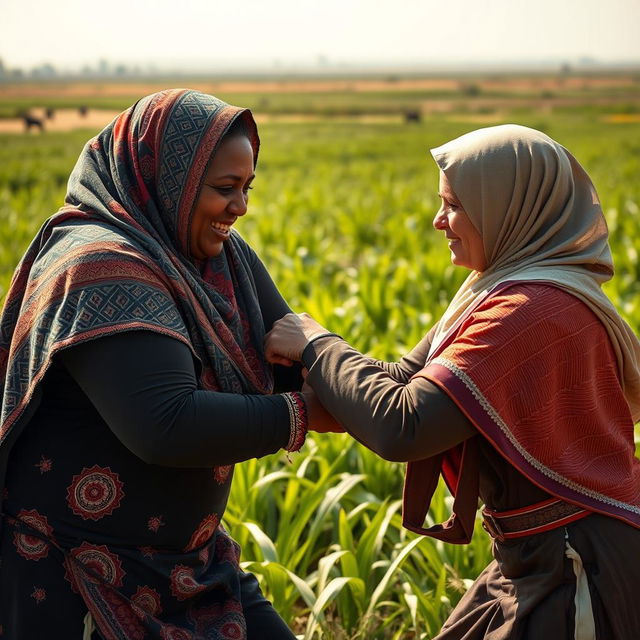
x,y
210,33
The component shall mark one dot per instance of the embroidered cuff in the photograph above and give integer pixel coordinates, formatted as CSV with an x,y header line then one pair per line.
x,y
297,420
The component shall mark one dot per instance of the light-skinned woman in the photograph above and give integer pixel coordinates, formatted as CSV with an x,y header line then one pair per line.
x,y
525,395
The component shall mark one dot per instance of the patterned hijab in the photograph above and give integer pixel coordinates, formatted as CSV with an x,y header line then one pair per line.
x,y
116,257
540,220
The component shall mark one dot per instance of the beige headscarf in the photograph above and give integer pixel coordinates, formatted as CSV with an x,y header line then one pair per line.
x,y
540,220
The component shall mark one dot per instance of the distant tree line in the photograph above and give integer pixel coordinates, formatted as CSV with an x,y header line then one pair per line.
x,y
48,71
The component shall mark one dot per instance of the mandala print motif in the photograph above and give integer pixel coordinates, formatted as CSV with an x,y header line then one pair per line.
x,y
95,493
154,523
226,620
204,532
33,547
146,601
99,561
39,594
233,631
227,549
250,354
128,618
203,555
221,474
169,632
183,583
45,464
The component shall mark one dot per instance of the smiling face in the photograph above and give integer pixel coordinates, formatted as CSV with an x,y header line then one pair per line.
x,y
465,241
223,197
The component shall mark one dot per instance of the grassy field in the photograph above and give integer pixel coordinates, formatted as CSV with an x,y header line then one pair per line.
x,y
341,214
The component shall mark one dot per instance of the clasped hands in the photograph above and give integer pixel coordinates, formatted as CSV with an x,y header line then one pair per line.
x,y
284,345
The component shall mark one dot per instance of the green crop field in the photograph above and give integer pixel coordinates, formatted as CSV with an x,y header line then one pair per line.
x,y
341,215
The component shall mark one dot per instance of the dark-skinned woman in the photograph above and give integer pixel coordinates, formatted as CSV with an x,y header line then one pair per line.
x,y
134,378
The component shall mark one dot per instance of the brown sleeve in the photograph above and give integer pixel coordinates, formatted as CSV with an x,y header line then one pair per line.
x,y
399,421
410,364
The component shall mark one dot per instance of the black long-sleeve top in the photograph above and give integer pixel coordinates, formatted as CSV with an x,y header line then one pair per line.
x,y
144,387
124,450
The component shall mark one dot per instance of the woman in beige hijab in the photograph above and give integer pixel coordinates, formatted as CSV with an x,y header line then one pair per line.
x,y
524,394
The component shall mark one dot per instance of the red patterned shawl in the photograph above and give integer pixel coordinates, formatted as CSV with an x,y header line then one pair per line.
x,y
532,367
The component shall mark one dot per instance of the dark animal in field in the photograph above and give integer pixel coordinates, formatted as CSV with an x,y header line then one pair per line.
x,y
412,116
32,122
83,110
50,112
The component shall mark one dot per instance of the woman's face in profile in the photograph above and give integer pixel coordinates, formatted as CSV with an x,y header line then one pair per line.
x,y
223,197
465,241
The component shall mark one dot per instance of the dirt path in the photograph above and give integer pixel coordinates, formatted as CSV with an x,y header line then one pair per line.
x,y
96,119
487,82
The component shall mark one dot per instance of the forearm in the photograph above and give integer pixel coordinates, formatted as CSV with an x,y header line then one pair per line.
x,y
411,363
398,421
206,429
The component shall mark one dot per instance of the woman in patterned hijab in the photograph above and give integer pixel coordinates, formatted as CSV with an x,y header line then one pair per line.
x,y
134,377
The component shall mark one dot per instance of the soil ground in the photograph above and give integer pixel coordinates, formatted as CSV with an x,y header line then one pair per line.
x,y
542,92
515,84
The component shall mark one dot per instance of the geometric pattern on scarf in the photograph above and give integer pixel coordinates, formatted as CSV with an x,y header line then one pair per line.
x,y
116,256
